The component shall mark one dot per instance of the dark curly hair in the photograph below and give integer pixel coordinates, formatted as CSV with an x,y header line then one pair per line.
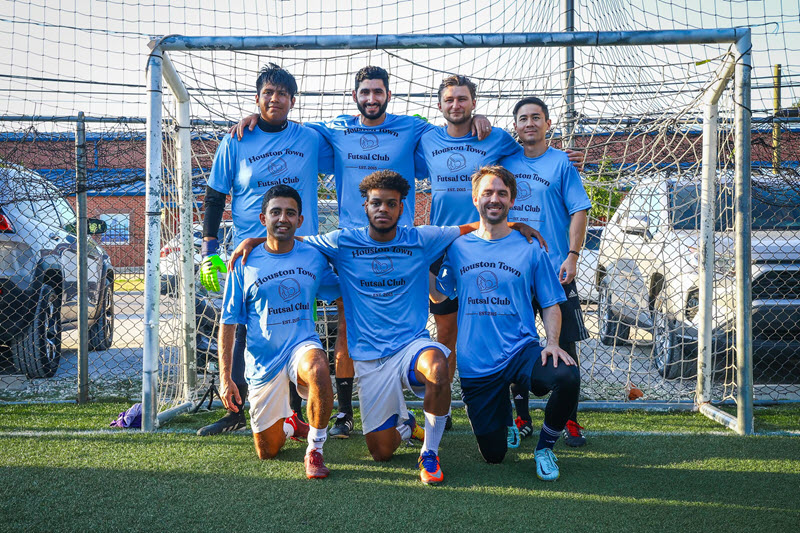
x,y
281,191
277,76
384,179
372,73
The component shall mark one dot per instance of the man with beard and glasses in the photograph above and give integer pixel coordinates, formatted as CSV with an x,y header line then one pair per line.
x,y
551,198
495,274
383,273
272,296
279,151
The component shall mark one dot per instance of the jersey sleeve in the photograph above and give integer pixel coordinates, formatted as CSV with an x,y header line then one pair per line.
x,y
329,284
420,164
446,279
421,127
545,287
572,190
325,155
436,239
223,169
234,310
327,244
507,146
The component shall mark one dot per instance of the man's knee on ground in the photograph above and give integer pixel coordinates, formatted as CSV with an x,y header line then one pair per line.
x,y
493,446
267,448
381,451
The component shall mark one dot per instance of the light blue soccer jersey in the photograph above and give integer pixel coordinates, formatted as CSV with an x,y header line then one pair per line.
x,y
360,150
384,284
451,161
549,192
272,295
495,281
248,168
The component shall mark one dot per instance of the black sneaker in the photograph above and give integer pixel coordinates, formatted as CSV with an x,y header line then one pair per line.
x,y
342,426
448,423
525,427
230,422
573,434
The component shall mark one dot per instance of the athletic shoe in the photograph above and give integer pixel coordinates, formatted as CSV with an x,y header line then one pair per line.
x,y
300,427
513,436
546,467
416,430
315,465
342,426
448,423
573,436
430,471
230,422
525,427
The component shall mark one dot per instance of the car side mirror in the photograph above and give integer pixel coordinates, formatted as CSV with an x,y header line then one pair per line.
x,y
96,226
636,225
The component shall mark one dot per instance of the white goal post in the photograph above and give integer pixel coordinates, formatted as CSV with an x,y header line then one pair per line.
x,y
736,64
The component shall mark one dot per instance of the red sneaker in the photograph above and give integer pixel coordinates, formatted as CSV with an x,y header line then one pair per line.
x,y
315,466
573,436
300,427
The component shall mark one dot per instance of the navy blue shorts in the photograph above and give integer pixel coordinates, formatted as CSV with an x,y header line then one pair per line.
x,y
448,306
572,327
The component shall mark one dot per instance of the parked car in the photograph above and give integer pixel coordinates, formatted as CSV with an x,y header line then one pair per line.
x,y
648,263
171,255
587,265
38,274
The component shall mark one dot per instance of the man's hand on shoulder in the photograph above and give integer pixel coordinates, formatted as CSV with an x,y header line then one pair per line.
x,y
576,157
249,122
529,233
244,249
481,127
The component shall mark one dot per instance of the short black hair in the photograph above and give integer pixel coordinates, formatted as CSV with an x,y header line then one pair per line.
x,y
384,179
282,191
372,73
277,76
535,101
457,80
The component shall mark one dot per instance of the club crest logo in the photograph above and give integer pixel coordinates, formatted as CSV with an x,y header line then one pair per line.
x,y
277,166
289,289
369,141
487,281
456,162
523,190
382,265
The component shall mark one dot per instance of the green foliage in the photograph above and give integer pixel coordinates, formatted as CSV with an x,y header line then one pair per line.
x,y
603,190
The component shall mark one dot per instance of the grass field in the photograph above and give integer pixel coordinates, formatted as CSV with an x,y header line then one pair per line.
x,y
60,471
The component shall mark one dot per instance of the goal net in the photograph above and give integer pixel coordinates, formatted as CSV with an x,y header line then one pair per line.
x,y
636,111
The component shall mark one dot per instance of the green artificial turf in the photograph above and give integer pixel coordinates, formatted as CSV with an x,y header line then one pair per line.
x,y
639,472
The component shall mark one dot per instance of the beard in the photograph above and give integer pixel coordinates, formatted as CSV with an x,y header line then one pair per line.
x,y
381,111
457,122
383,231
501,217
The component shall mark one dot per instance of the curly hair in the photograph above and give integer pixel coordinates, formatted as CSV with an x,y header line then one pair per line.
x,y
372,73
384,179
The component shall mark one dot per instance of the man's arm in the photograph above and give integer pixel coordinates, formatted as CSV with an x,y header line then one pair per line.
x,y
481,127
526,231
577,234
434,294
551,317
228,389
212,265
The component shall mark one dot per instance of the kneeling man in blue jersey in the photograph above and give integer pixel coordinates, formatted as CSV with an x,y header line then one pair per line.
x,y
495,273
271,295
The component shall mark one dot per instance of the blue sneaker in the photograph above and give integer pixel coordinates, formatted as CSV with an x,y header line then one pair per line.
x,y
513,436
430,470
546,467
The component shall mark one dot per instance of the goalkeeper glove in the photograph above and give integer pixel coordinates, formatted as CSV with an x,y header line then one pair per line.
x,y
211,266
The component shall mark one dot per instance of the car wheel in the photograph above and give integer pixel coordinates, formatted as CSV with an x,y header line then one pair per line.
x,y
101,334
612,330
38,351
667,351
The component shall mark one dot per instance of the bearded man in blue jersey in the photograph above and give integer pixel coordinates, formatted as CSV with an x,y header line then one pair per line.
x,y
495,274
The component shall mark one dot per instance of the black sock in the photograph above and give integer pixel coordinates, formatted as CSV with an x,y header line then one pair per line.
x,y
547,438
344,393
521,399
295,401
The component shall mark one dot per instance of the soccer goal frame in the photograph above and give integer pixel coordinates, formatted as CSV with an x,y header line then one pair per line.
x,y
737,65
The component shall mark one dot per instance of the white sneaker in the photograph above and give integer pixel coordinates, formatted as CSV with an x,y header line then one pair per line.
x,y
546,467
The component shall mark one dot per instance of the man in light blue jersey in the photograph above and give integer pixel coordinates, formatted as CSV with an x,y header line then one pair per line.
x,y
272,296
551,198
495,274
370,141
278,152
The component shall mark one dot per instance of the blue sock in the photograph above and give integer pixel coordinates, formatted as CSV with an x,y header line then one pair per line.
x,y
547,438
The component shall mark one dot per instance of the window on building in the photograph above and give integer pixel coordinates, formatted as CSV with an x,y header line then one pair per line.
x,y
119,228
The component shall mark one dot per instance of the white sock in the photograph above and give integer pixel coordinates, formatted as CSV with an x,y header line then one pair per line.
x,y
405,431
316,438
434,429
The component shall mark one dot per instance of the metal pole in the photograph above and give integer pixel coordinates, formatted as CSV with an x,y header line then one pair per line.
x,y
81,229
776,126
152,244
569,77
743,225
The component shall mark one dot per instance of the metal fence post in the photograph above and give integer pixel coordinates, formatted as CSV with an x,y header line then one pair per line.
x,y
83,278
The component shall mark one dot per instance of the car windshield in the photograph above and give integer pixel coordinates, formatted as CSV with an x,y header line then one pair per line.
x,y
775,207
